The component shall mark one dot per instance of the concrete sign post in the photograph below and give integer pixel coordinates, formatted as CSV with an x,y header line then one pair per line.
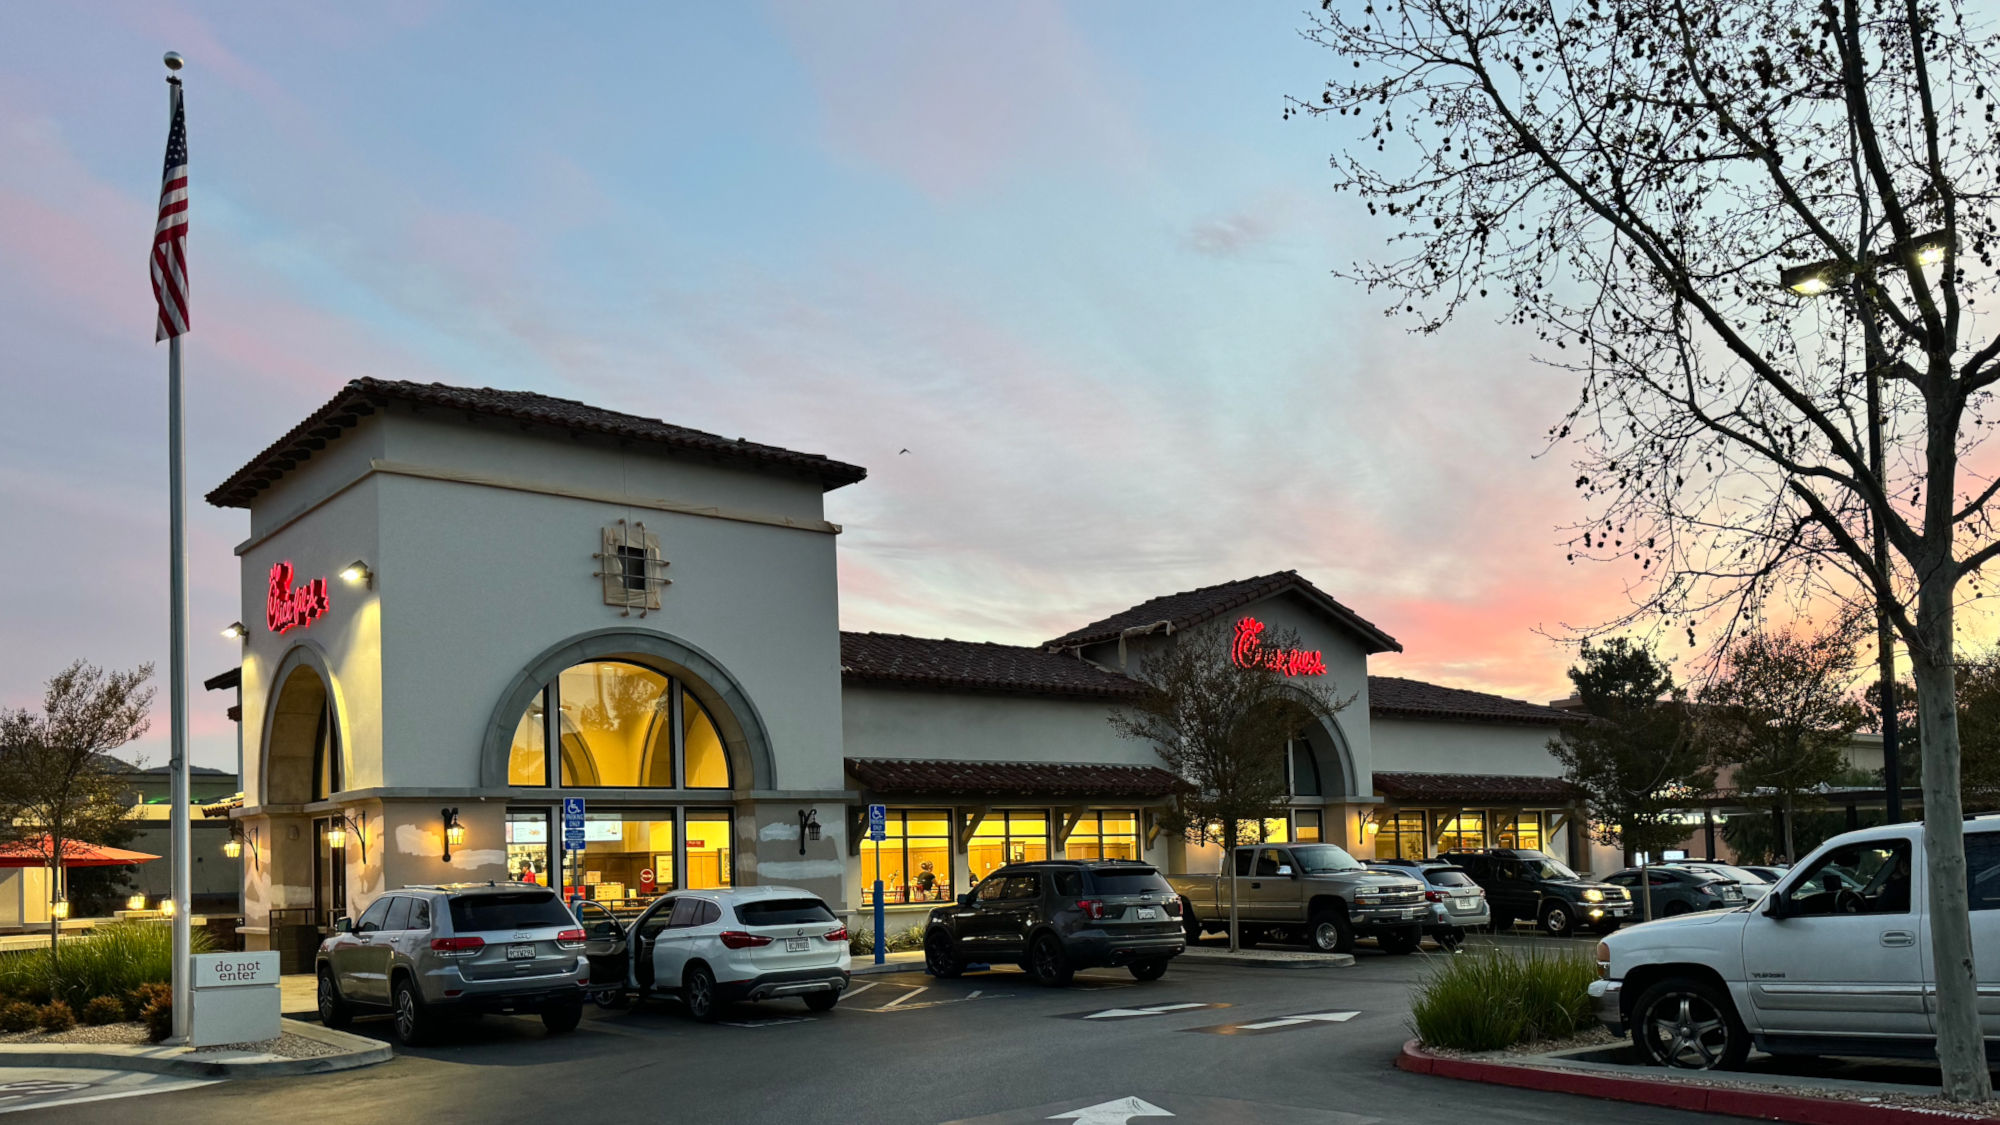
x,y
235,999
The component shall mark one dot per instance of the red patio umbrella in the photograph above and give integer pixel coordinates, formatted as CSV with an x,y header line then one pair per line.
x,y
76,853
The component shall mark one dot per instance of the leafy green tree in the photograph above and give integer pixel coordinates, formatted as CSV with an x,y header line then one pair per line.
x,y
1779,719
1638,761
1222,725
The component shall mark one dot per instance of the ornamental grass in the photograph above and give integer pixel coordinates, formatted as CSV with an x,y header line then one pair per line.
x,y
1489,1000
112,961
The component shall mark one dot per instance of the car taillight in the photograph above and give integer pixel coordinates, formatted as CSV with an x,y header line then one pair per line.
x,y
570,939
1434,896
837,935
457,946
1707,889
1174,907
737,939
1091,908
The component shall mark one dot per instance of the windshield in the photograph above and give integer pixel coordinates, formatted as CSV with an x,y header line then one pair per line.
x,y
1324,857
1545,867
1741,875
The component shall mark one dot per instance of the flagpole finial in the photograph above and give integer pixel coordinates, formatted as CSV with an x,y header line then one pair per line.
x,y
173,60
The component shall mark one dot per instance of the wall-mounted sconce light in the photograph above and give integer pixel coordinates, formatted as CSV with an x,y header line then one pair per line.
x,y
136,902
168,907
236,631
233,848
357,573
808,827
454,832
336,833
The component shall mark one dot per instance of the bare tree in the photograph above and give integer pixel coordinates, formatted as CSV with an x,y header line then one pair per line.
x,y
1629,178
1221,717
57,777
1780,717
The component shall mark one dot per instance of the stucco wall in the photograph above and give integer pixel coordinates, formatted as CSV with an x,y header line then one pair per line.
x,y
890,723
1412,746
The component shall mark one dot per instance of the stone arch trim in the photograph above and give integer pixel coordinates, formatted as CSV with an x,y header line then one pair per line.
x,y
279,722
735,716
1343,760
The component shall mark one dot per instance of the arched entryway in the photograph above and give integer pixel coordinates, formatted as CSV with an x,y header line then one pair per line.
x,y
304,761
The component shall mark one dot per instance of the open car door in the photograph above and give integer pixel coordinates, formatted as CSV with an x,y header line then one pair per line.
x,y
604,946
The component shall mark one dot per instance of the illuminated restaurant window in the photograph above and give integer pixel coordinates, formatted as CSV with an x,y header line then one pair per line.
x,y
1523,830
1403,836
1105,835
627,859
616,729
708,850
1005,836
528,845
1276,830
1464,832
1306,826
915,859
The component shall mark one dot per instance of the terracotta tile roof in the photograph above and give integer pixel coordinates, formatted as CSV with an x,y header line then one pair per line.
x,y
363,397
1393,697
1083,780
890,658
1473,788
1192,607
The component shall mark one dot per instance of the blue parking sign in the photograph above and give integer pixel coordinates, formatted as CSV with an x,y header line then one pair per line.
x,y
878,822
572,815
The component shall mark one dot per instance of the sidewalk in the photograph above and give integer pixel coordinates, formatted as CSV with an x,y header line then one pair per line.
x,y
329,1051
1765,1097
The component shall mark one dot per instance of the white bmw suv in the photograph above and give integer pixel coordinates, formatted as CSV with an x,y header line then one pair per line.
x,y
713,947
1835,960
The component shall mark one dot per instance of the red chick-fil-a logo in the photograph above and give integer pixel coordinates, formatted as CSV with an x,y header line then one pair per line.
x,y
1247,651
286,607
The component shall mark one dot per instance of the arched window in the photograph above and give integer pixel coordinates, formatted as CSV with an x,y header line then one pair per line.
x,y
619,725
1305,769
326,779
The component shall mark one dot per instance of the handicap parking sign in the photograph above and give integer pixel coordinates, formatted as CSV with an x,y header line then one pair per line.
x,y
572,814
878,822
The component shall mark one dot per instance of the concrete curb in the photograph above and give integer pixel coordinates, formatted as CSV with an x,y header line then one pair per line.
x,y
356,1051
1273,960
1763,1105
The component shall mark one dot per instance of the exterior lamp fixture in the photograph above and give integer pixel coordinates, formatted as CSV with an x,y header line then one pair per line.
x,y
454,832
336,833
235,631
356,573
233,848
59,909
168,907
136,902
808,827
1808,281
1815,278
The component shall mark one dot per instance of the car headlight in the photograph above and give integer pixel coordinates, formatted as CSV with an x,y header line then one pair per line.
x,y
1593,895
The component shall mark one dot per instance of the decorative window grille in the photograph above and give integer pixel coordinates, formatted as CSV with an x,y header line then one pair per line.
x,y
631,567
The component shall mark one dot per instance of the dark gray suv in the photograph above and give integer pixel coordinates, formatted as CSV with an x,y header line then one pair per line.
x,y
425,952
1054,917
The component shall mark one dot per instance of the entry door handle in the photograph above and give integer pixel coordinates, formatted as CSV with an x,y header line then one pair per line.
x,y
1898,938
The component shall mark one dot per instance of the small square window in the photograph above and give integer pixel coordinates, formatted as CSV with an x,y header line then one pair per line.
x,y
631,567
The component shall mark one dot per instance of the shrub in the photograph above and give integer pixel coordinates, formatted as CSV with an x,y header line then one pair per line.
x,y
18,1015
102,1010
55,1016
1487,1001
159,1017
112,961
910,939
861,943
137,1000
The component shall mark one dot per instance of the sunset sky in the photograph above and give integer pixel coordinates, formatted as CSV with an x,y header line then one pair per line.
x,y
1070,257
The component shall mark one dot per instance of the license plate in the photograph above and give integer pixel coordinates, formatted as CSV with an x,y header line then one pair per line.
x,y
522,952
1468,904
797,944
1148,914
1621,910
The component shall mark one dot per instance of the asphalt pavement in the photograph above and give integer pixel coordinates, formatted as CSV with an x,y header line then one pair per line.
x,y
1206,1044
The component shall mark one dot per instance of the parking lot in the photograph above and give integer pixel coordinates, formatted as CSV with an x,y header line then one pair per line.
x,y
1205,1044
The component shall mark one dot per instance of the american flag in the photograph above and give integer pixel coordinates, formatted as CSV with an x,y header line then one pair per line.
x,y
170,234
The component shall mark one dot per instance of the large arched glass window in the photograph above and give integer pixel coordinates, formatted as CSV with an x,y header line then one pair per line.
x,y
617,725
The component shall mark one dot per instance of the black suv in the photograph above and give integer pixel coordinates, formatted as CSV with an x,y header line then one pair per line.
x,y
1054,917
1524,883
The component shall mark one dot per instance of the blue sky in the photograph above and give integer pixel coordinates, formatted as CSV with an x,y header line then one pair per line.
x,y
1070,256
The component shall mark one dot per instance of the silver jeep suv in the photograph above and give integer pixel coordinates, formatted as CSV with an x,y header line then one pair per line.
x,y
423,953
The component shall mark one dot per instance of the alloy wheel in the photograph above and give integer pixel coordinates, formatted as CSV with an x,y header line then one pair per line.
x,y
406,1014
1326,937
1685,1030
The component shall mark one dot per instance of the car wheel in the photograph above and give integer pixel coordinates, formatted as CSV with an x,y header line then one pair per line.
x,y
698,993
1153,968
1331,932
822,1001
939,959
1556,920
412,1024
562,1019
1684,1023
1048,964
1193,926
333,1011
611,998
1399,942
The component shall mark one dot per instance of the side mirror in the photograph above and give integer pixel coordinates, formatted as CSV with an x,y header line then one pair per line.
x,y
343,925
965,898
1776,906
1285,871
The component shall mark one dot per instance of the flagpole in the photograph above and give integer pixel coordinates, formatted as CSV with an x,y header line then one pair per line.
x,y
182,863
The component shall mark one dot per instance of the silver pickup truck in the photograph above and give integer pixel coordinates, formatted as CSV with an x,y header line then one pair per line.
x,y
1315,891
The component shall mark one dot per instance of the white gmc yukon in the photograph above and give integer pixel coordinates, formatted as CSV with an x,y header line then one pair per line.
x,y
1836,960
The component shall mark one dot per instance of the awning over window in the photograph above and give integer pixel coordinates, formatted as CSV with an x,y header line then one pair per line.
x,y
1080,780
1473,788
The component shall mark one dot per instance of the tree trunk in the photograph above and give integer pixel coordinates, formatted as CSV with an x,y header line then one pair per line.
x,y
1960,1045
1229,871
1646,885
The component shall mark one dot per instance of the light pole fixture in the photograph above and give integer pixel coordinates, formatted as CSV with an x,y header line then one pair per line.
x,y
59,909
357,573
1815,278
454,832
808,827
336,833
236,631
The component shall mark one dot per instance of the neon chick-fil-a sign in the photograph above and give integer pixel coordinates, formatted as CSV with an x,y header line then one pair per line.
x,y
287,607
1247,651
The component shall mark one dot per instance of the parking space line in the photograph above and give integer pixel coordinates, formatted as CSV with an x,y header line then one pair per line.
x,y
858,989
905,996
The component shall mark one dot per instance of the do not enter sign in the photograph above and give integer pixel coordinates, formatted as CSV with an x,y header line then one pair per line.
x,y
646,880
